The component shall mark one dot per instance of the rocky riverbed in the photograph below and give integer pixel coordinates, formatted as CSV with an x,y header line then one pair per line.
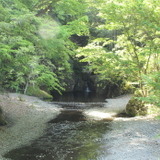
x,y
129,138
134,139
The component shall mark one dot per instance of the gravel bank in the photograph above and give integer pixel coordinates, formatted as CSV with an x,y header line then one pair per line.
x,y
134,139
27,117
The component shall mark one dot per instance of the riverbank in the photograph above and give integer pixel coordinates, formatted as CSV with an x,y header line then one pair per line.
x,y
129,138
26,116
135,138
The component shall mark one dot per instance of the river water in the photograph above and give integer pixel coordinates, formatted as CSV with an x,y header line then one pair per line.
x,y
70,136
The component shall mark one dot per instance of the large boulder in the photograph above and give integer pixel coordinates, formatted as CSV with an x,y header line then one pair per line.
x,y
2,119
136,107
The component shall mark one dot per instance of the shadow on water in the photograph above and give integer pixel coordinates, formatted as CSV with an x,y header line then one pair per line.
x,y
67,139
79,97
69,115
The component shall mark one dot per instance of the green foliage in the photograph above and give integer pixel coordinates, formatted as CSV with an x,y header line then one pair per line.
x,y
30,4
35,46
152,85
47,79
134,45
152,109
36,50
78,26
35,91
70,10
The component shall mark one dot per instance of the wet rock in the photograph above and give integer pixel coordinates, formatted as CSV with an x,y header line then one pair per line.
x,y
2,119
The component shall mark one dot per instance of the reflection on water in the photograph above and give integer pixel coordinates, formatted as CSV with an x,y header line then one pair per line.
x,y
80,97
67,140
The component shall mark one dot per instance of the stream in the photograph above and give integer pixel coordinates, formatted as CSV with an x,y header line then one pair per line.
x,y
71,135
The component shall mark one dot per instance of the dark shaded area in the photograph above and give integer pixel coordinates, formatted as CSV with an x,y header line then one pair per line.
x,y
2,118
80,40
123,114
112,90
72,115
79,106
79,97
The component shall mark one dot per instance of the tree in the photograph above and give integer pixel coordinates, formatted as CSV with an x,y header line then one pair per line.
x,y
136,47
35,44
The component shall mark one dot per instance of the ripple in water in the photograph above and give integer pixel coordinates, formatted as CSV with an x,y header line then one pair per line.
x,y
67,140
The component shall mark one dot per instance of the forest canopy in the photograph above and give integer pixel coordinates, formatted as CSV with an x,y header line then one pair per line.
x,y
40,41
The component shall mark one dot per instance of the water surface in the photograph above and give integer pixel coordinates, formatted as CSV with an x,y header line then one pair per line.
x,y
79,97
83,140
70,136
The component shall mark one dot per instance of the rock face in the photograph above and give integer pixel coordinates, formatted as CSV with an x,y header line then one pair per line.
x,y
2,120
136,108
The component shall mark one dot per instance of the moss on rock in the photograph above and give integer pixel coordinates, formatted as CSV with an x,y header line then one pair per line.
x,y
37,92
136,107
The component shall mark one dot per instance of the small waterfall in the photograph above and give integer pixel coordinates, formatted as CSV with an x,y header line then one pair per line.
x,y
87,90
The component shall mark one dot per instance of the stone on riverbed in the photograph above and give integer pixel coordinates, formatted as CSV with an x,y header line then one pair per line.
x,y
136,108
2,119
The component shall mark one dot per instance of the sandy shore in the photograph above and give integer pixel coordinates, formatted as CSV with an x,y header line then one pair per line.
x,y
27,117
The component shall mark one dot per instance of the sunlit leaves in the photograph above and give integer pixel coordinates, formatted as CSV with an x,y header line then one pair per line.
x,y
47,78
78,26
21,51
49,29
70,10
124,37
135,50
152,82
